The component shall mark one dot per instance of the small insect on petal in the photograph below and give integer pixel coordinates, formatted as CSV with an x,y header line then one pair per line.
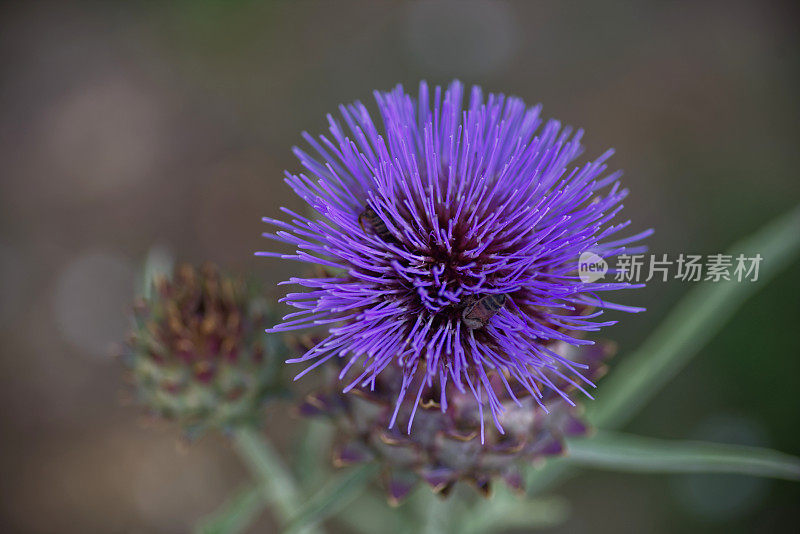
x,y
371,222
479,313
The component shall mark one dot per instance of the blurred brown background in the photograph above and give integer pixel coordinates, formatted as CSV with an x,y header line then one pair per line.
x,y
124,126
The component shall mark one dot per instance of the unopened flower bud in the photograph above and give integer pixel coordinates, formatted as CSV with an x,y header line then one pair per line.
x,y
198,354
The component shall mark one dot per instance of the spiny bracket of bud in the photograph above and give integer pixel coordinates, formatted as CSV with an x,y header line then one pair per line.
x,y
197,353
445,447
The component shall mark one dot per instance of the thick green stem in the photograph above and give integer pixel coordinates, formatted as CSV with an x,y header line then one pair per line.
x,y
334,496
437,515
311,460
277,484
235,515
506,512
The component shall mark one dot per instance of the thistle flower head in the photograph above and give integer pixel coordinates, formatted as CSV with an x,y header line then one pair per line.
x,y
198,354
450,236
444,449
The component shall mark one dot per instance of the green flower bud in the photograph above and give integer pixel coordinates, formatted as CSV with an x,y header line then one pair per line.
x,y
198,354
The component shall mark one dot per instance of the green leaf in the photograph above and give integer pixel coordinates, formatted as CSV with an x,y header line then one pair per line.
x,y
622,452
235,515
690,325
335,495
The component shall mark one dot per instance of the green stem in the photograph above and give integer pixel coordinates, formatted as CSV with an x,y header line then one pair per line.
x,y
334,496
235,515
636,454
370,509
277,484
511,513
437,515
311,460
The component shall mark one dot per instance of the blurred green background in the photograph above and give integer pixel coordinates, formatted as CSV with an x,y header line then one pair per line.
x,y
127,125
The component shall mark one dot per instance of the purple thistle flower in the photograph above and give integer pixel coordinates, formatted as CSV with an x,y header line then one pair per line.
x,y
449,241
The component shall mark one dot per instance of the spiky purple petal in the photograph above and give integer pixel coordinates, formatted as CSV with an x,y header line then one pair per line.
x,y
477,198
